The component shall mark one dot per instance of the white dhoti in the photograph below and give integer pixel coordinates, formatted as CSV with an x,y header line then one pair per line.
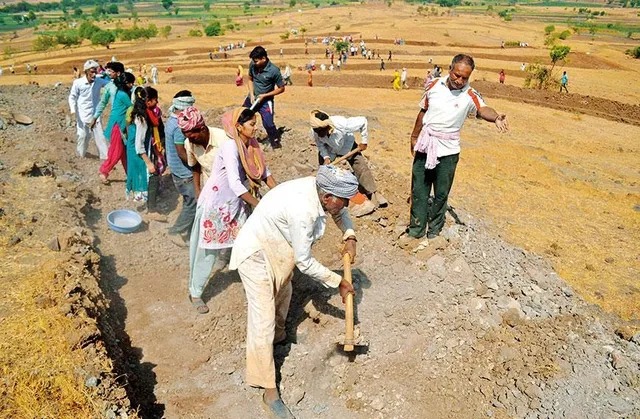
x,y
84,132
268,304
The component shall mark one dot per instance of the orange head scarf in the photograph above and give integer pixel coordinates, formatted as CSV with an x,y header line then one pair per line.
x,y
251,155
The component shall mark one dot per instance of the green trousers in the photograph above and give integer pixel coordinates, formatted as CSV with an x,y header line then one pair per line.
x,y
423,213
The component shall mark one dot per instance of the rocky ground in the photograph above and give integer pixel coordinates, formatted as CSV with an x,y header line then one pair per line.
x,y
464,326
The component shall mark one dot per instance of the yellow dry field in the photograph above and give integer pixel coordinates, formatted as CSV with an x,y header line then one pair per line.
x,y
560,184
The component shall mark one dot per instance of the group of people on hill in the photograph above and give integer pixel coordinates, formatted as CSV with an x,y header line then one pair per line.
x,y
219,171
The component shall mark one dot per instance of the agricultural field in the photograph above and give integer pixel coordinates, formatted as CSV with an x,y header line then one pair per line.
x,y
552,214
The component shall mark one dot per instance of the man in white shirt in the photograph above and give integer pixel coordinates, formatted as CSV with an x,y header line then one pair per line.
x,y
276,238
334,136
83,100
435,143
403,78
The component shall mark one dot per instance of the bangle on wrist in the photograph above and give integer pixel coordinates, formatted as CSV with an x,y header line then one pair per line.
x,y
351,238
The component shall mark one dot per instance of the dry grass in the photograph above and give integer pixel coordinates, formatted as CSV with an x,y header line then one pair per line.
x,y
39,369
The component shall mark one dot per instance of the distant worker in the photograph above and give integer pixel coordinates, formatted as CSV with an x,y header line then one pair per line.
x,y
154,74
435,144
396,81
310,78
564,80
403,78
239,76
501,77
265,84
287,76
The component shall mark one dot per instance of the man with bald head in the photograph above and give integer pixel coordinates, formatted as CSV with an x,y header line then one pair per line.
x,y
435,143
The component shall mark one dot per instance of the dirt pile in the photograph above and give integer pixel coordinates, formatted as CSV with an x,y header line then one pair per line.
x,y
463,326
59,351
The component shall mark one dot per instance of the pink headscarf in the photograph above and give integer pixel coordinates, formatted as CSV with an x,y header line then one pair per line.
x,y
190,118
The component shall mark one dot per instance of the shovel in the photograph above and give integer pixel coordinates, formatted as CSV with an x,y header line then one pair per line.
x,y
351,340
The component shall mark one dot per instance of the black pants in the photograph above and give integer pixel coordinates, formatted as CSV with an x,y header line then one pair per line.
x,y
424,216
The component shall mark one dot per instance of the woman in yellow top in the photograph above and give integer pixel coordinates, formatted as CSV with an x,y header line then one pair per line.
x,y
396,80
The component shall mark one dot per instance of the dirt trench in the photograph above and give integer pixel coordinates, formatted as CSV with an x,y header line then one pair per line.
x,y
466,326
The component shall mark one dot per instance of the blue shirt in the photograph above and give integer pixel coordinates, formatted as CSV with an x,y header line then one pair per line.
x,y
173,135
265,80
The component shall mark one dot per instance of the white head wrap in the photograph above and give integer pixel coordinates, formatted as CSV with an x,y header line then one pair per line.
x,y
336,181
181,103
89,64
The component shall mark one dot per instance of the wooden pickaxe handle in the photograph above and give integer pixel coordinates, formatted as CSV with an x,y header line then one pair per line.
x,y
348,310
346,156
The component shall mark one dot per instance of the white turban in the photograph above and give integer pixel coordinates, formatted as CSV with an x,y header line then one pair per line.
x,y
338,182
89,64
181,103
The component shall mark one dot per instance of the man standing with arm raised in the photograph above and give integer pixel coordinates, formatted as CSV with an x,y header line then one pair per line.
x,y
435,143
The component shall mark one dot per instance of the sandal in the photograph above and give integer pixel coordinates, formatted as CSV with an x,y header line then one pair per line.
x,y
277,409
200,305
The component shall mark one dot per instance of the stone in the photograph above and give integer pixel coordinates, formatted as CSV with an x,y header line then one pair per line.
x,y
91,381
492,284
383,222
513,317
482,290
476,304
438,242
320,408
567,291
377,404
507,354
436,266
54,244
626,332
533,391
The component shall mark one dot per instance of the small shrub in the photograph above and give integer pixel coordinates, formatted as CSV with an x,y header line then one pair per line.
x,y
635,52
195,32
564,34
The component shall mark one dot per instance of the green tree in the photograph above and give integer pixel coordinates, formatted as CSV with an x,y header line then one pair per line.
x,y
341,46
77,12
207,5
87,29
558,53
167,4
31,16
549,29
44,43
113,9
104,38
165,31
292,3
68,38
213,29
195,32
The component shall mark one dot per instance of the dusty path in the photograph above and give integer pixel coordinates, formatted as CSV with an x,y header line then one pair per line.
x,y
467,327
